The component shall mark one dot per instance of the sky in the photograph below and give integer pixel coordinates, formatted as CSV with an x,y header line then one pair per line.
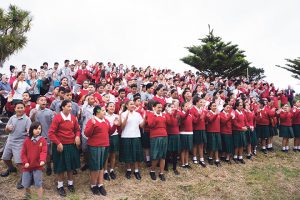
x,y
156,32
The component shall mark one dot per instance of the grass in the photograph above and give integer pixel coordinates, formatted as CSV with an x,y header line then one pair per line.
x,y
272,176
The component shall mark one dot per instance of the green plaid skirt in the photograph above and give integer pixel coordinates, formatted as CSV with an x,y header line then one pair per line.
x,y
227,143
131,150
286,132
251,137
158,148
262,131
199,137
97,157
239,139
67,160
214,142
145,140
273,131
174,143
114,143
186,142
296,129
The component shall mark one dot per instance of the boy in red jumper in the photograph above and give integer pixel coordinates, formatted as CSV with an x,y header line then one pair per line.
x,y
33,155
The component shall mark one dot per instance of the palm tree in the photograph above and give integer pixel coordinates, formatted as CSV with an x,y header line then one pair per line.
x,y
292,66
13,25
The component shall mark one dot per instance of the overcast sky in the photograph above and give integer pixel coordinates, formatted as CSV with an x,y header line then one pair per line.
x,y
155,32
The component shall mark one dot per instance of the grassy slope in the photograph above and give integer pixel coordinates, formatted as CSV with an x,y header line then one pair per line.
x,y
272,176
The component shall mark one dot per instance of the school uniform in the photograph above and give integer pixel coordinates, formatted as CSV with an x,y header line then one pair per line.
x,y
161,100
28,107
114,137
273,123
214,142
199,134
75,108
173,132
86,115
16,138
158,136
186,130
263,122
63,130
286,130
296,122
238,134
145,133
226,132
251,135
34,151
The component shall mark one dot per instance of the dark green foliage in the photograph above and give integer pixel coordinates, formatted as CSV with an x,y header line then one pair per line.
x,y
292,66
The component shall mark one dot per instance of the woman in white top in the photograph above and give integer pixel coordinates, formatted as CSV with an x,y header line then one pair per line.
x,y
131,151
20,86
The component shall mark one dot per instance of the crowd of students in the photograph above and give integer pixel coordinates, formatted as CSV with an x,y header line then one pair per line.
x,y
136,115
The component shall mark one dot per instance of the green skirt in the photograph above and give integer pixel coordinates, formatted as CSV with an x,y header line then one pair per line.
x,y
296,129
251,137
131,150
227,143
97,157
174,143
239,139
114,143
214,142
145,140
199,137
286,132
262,131
67,160
186,142
273,131
158,148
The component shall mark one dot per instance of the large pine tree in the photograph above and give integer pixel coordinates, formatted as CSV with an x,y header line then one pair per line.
x,y
292,66
215,57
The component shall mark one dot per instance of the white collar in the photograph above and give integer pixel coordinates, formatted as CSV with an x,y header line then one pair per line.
x,y
65,118
99,120
239,112
158,115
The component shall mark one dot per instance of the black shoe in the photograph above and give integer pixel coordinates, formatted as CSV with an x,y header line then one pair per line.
x,y
249,157
295,150
286,151
48,171
210,161
128,174
61,191
95,190
236,160
218,163
222,158
176,172
264,151
102,190
228,162
162,177
71,188
270,149
137,175
254,152
298,150
19,185
242,161
153,176
166,168
75,172
283,150
84,167
8,171
188,166
202,163
106,177
148,163
112,175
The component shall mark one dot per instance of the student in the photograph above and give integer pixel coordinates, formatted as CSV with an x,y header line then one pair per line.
x,y
226,133
296,125
28,104
44,116
17,127
214,143
34,154
131,151
159,95
250,134
64,133
113,142
239,127
68,96
97,131
186,134
145,134
158,140
199,137
285,130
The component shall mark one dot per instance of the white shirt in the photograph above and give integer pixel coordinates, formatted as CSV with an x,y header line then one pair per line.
x,y
132,127
111,119
65,118
22,87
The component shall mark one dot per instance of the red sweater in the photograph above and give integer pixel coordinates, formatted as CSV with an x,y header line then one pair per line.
x,y
186,123
157,125
213,122
172,124
62,131
146,127
33,153
239,121
118,104
263,116
296,116
82,75
286,118
225,123
250,116
98,133
198,119
29,107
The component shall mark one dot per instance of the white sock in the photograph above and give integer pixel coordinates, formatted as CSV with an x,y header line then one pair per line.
x,y
240,157
271,145
186,164
60,184
235,156
263,147
161,173
194,158
111,170
70,182
129,170
93,186
286,147
210,158
100,185
152,171
283,148
136,170
249,154
105,171
202,159
147,158
298,147
218,160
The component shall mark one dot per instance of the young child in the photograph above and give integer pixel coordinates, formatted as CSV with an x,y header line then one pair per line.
x,y
296,125
286,130
34,154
